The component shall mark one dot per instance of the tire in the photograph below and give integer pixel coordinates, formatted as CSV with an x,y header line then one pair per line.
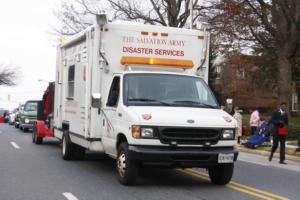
x,y
71,151
39,140
25,130
16,125
127,169
35,138
221,174
33,134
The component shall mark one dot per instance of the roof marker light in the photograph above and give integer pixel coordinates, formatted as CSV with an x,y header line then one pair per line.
x,y
126,60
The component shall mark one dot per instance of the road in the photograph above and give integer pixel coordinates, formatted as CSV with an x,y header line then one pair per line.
x,y
37,172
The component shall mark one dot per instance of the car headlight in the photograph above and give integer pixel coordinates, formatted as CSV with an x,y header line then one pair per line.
x,y
228,134
26,121
147,132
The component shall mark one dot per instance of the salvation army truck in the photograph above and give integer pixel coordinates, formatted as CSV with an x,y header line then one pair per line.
x,y
139,94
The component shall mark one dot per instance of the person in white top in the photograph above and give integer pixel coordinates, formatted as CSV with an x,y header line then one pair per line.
x,y
238,117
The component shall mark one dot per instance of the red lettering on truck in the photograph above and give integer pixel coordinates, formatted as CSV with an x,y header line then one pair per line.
x,y
165,52
137,50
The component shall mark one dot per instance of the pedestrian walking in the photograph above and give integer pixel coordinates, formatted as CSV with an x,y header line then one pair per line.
x,y
279,120
238,117
254,121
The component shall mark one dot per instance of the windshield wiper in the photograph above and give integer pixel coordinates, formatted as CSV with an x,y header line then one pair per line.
x,y
196,102
149,100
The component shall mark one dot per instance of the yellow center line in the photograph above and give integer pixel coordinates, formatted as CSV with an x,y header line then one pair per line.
x,y
237,186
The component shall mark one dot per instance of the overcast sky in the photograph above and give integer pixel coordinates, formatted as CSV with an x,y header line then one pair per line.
x,y
25,42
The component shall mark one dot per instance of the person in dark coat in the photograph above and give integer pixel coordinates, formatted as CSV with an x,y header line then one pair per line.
x,y
279,119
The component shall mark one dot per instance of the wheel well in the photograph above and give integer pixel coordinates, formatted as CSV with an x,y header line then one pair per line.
x,y
121,138
65,126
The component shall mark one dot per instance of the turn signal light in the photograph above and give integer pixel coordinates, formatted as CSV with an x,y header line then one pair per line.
x,y
136,131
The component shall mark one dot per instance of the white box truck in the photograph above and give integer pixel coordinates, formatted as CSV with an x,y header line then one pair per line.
x,y
139,94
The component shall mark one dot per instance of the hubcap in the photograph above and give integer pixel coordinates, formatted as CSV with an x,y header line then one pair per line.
x,y
121,164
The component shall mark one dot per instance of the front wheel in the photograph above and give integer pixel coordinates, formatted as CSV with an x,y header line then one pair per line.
x,y
221,174
127,169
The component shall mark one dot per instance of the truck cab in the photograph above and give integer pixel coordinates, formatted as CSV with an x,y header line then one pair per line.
x,y
167,120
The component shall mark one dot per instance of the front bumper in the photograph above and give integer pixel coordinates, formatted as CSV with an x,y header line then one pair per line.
x,y
179,156
28,126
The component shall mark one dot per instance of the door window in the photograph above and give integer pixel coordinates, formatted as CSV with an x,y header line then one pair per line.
x,y
114,93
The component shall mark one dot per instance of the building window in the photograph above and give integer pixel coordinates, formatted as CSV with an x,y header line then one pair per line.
x,y
71,76
241,73
294,102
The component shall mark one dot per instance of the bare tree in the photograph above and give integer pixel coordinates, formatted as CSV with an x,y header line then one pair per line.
x,y
76,15
269,28
8,75
173,13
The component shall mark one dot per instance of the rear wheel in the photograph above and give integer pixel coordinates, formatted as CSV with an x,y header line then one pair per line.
x,y
127,169
221,174
71,151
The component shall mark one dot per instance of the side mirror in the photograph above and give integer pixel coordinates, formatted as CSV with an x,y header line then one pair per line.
x,y
96,100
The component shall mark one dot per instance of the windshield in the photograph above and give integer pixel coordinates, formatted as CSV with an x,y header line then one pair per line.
x,y
31,106
167,90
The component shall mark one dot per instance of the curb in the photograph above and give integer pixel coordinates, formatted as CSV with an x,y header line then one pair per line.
x,y
266,153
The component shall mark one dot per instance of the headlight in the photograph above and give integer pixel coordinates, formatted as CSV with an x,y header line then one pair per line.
x,y
147,132
26,121
228,134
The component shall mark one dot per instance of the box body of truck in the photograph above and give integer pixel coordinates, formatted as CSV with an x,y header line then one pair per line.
x,y
138,93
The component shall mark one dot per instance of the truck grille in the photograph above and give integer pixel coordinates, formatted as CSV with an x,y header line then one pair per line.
x,y
189,135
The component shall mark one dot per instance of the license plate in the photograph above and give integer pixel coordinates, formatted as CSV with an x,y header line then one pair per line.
x,y
225,158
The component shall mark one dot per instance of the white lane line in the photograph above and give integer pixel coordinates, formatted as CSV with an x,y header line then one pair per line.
x,y
69,196
15,145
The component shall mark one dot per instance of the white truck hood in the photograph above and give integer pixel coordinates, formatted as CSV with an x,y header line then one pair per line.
x,y
183,116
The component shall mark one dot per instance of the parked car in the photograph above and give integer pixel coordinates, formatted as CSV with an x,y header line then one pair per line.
x,y
18,114
6,116
29,115
12,116
3,116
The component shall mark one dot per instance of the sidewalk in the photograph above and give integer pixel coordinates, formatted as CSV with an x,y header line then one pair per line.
x,y
263,161
263,152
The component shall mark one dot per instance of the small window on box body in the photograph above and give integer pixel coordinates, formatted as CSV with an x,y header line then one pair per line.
x,y
71,77
114,93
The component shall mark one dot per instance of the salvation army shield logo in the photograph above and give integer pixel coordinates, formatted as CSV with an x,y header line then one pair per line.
x,y
146,116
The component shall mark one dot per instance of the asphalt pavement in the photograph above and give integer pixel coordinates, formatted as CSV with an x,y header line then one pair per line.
x,y
37,172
